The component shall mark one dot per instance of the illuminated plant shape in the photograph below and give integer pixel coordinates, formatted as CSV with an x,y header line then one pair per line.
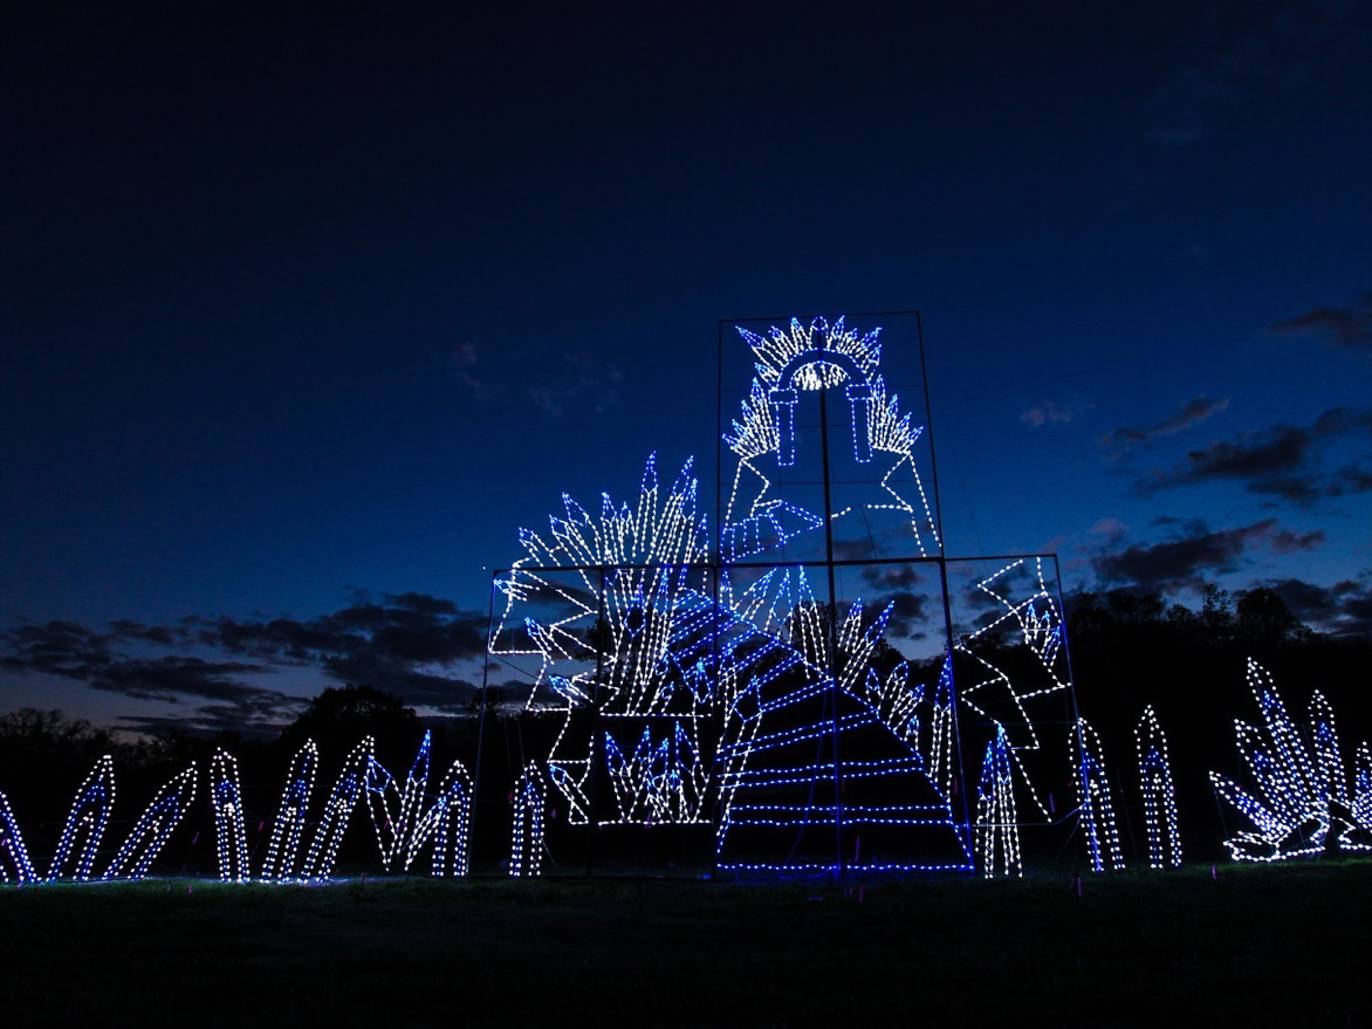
x,y
154,826
997,830
526,842
338,810
448,824
1301,791
941,736
610,634
395,813
284,845
659,782
1159,798
1362,786
14,856
226,801
896,701
1097,813
85,825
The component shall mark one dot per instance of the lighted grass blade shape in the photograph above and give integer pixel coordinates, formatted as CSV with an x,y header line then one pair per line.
x,y
1159,798
85,825
283,846
226,801
338,810
526,844
149,834
448,824
1095,809
14,856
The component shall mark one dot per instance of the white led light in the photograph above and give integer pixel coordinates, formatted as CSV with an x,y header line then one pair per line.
x,y
1302,803
1096,812
1159,799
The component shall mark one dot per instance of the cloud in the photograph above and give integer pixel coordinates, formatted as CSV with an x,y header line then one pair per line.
x,y
461,361
75,652
1050,413
407,644
579,380
893,576
1111,528
1278,461
1340,326
1344,608
399,645
1288,542
1193,412
1180,561
908,614
1276,50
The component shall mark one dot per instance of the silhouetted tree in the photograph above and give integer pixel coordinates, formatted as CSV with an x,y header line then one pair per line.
x,y
339,717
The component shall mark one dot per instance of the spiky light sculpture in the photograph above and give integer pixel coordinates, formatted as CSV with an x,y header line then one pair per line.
x,y
608,644
1300,804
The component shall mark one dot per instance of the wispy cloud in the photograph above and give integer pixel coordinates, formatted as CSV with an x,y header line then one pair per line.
x,y
1193,412
407,643
1052,413
1180,561
1340,326
1279,461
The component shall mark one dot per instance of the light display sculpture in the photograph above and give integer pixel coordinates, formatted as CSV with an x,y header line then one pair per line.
x,y
1301,804
997,826
226,801
1095,808
1159,798
526,837
447,825
85,825
149,834
700,687
338,810
395,813
402,825
14,856
283,846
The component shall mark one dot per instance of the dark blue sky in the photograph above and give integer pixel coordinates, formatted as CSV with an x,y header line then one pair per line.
x,y
304,316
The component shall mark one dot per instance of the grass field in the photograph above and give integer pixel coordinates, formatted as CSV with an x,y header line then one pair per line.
x,y
1261,945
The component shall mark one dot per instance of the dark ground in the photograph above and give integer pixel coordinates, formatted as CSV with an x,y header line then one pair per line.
x,y
1272,944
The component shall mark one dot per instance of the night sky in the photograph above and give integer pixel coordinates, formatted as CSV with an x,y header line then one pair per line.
x,y
303,318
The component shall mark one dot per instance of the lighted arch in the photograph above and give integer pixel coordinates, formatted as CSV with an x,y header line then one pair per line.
x,y
783,399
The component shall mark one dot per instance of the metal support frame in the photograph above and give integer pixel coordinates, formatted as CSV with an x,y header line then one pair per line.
x,y
717,566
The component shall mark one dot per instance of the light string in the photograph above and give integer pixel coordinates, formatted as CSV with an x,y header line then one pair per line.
x,y
154,826
526,840
226,802
85,825
14,856
997,828
1096,811
1159,798
288,828
1301,804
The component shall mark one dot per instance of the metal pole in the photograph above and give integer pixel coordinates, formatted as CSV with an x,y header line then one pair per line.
x,y
592,816
721,716
947,600
833,624
481,724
